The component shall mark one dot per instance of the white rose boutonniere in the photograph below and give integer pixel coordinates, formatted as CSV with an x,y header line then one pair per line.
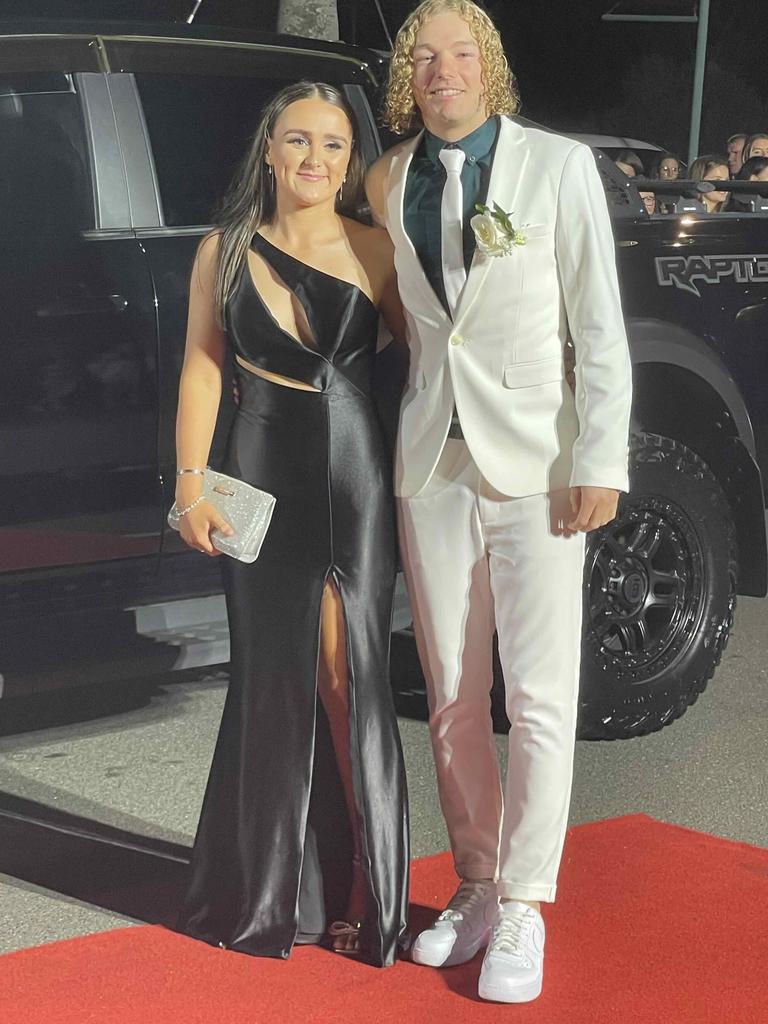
x,y
495,233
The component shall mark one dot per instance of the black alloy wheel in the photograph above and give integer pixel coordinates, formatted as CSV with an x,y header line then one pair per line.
x,y
660,593
645,583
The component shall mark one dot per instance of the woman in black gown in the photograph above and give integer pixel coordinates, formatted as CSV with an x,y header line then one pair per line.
x,y
303,832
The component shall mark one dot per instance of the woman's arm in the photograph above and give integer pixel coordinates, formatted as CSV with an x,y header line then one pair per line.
x,y
199,397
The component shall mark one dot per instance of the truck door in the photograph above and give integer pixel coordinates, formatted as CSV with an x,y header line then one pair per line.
x,y
78,389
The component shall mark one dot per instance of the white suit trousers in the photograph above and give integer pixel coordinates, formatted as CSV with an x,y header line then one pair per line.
x,y
476,560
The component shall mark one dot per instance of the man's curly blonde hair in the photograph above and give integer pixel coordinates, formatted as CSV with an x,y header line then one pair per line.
x,y
499,86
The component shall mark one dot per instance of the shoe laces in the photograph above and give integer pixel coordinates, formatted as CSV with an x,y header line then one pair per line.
x,y
468,896
511,931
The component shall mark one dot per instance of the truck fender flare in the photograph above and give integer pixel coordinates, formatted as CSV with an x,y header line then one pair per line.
x,y
656,341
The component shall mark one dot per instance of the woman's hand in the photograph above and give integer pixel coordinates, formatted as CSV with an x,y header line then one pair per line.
x,y
197,524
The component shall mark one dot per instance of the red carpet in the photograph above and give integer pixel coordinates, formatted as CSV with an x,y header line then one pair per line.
x,y
655,925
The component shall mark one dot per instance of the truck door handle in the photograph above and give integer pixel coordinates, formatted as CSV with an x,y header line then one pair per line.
x,y
680,241
83,305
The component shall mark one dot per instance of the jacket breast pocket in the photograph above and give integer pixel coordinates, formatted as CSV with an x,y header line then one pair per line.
x,y
536,231
539,371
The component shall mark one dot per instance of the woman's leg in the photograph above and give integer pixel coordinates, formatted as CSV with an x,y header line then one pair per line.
x,y
333,687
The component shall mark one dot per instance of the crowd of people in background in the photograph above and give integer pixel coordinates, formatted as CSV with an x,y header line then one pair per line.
x,y
746,159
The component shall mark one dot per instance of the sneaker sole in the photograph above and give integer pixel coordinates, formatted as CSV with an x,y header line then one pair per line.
x,y
450,958
523,994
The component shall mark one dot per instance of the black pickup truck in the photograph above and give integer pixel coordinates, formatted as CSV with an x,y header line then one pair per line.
x,y
116,142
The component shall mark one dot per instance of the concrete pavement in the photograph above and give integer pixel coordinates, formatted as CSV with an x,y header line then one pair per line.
x,y
138,760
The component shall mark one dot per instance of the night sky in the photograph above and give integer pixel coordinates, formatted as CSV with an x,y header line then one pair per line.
x,y
575,71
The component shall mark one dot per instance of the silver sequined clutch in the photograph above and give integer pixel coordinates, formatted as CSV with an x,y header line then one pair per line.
x,y
247,510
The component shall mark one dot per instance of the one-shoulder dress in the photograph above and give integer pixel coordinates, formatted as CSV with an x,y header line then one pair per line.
x,y
271,864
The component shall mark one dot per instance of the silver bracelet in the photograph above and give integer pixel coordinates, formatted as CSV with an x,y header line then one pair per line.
x,y
183,511
195,472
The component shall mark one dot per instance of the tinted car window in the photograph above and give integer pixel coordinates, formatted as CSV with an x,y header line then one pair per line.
x,y
43,155
200,128
45,187
202,103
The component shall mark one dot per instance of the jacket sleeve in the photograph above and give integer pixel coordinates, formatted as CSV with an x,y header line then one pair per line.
x,y
586,261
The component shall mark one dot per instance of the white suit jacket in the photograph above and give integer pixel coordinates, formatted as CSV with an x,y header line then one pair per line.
x,y
501,359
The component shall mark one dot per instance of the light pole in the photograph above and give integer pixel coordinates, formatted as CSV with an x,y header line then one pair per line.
x,y
698,80
640,10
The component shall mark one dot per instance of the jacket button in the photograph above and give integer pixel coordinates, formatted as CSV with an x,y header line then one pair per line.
x,y
456,339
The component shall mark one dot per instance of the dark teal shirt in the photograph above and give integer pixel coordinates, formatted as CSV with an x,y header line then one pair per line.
x,y
424,193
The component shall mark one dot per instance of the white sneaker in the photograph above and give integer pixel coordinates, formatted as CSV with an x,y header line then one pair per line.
x,y
462,928
513,965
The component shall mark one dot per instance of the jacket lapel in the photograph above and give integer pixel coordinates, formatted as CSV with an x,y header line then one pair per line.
x,y
507,172
397,183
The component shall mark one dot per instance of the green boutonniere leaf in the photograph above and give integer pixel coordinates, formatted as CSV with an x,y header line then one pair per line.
x,y
503,219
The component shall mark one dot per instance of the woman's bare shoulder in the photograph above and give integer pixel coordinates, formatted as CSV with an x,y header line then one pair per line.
x,y
208,249
206,260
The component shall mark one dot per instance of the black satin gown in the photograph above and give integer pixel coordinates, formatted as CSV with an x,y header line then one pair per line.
x,y
271,864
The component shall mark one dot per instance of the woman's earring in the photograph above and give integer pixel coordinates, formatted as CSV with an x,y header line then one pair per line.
x,y
341,190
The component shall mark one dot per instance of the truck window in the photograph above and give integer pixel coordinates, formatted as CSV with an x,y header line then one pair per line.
x,y
45,185
46,200
202,102
199,128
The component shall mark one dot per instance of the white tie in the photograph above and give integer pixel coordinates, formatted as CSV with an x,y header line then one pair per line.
x,y
452,225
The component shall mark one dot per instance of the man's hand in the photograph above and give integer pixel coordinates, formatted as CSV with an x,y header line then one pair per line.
x,y
592,507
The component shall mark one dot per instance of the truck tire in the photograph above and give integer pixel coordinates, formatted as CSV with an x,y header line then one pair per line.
x,y
660,593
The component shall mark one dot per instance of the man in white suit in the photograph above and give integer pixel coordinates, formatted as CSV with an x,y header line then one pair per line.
x,y
501,467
